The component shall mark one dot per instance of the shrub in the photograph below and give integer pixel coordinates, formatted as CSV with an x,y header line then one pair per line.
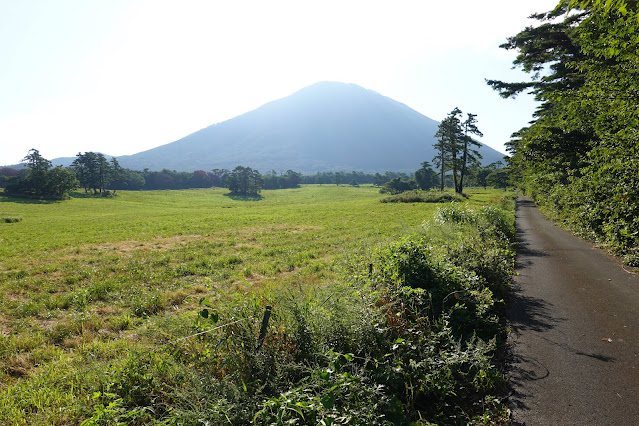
x,y
417,196
397,186
10,219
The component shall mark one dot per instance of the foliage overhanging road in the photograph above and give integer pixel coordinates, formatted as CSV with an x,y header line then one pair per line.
x,y
575,325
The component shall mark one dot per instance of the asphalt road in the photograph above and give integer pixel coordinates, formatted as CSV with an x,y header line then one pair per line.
x,y
575,325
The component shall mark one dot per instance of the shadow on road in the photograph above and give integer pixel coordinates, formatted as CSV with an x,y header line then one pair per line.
x,y
532,319
530,313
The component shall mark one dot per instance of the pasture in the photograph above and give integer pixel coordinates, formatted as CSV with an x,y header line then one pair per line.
x,y
85,282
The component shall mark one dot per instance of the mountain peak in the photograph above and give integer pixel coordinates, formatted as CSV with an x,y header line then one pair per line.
x,y
327,126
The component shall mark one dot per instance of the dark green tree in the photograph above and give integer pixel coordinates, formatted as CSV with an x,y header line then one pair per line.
x,y
397,185
379,180
470,156
59,181
499,178
37,168
93,171
426,177
40,180
291,179
579,156
126,179
449,147
244,181
219,177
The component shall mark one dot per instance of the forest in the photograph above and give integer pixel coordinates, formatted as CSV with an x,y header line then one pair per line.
x,y
579,157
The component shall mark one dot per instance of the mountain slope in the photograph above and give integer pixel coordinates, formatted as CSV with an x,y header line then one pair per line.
x,y
326,126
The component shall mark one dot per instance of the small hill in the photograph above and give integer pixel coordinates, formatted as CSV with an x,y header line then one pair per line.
x,y
326,126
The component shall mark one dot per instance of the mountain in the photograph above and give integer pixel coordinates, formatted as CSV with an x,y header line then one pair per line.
x,y
326,126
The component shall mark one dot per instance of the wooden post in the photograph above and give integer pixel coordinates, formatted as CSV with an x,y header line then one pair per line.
x,y
267,316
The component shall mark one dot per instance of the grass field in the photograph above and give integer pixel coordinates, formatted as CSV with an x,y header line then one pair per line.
x,y
83,282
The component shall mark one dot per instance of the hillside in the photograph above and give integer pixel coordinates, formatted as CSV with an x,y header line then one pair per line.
x,y
326,126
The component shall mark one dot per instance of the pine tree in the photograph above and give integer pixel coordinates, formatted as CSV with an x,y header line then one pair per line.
x,y
470,156
448,146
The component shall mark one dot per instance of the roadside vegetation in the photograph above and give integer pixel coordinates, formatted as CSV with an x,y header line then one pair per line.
x,y
147,308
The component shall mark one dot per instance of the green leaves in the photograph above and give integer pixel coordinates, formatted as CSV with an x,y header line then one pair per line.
x,y
206,313
455,147
578,158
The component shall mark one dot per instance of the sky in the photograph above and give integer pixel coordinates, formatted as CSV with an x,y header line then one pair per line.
x,y
123,76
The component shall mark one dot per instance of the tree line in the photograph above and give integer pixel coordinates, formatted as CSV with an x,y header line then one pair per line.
x,y
580,156
99,176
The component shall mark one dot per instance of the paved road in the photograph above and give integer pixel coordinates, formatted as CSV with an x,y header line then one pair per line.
x,y
575,330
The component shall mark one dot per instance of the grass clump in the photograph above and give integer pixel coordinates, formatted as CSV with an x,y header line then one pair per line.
x,y
10,219
418,196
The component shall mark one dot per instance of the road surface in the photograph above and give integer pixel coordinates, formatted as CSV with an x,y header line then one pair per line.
x,y
575,330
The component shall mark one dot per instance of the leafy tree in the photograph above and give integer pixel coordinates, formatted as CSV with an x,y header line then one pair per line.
x,y
92,171
291,179
219,177
379,180
470,156
580,155
397,186
244,181
116,173
200,179
127,179
482,174
455,147
426,177
59,181
7,174
40,180
449,134
499,178
37,167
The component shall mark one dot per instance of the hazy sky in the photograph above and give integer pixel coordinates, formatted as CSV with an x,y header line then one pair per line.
x,y
123,76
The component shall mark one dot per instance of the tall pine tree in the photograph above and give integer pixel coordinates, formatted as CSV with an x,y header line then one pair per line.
x,y
455,147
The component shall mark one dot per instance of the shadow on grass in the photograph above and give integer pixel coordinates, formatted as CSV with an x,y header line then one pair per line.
x,y
5,198
243,197
82,194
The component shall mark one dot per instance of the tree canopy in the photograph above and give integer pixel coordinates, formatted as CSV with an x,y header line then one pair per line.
x,y
244,181
580,155
454,147
40,180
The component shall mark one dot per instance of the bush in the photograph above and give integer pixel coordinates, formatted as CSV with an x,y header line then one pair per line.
x,y
397,186
417,196
10,219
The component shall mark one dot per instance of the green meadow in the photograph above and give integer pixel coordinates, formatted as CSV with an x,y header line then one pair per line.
x,y
94,289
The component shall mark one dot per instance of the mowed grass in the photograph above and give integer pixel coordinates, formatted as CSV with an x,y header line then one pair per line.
x,y
86,280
